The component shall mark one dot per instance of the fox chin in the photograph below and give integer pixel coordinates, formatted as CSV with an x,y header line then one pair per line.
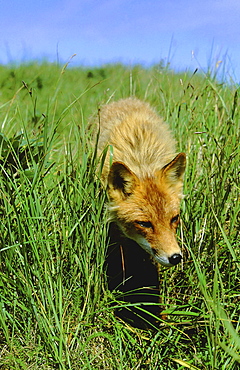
x,y
144,177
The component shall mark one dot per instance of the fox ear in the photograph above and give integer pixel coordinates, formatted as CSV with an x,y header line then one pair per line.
x,y
121,180
174,170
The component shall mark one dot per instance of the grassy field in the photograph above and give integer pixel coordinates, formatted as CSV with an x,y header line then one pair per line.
x,y
55,309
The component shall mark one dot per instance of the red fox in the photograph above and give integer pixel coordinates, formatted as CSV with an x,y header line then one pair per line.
x,y
144,177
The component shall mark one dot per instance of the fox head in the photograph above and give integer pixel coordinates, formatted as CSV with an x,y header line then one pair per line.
x,y
147,210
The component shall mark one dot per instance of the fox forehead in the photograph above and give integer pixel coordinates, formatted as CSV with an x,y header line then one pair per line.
x,y
150,200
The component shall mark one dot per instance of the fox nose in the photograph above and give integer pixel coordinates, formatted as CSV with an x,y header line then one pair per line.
x,y
175,259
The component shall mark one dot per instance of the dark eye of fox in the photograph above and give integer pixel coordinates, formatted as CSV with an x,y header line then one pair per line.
x,y
146,224
175,219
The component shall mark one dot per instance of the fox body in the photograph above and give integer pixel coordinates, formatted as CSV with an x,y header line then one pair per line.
x,y
144,177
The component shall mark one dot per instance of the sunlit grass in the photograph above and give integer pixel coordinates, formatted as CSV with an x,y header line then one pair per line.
x,y
56,310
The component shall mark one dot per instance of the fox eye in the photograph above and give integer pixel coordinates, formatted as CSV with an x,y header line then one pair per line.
x,y
146,224
175,219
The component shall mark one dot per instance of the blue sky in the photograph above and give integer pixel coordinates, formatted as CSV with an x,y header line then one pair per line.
x,y
188,34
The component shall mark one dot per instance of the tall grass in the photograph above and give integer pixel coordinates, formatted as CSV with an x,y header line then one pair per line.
x,y
56,310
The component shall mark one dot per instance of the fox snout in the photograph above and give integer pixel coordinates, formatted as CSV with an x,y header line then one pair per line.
x,y
172,260
167,253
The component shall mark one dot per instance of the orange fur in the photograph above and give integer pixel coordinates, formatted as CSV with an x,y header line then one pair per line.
x,y
144,176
